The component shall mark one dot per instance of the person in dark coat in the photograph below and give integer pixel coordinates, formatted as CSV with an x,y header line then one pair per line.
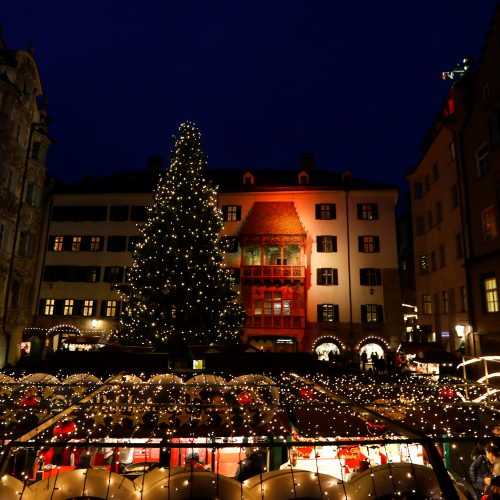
x,y
250,466
478,470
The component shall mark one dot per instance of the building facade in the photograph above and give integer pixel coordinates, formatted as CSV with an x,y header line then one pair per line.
x,y
313,254
23,147
455,207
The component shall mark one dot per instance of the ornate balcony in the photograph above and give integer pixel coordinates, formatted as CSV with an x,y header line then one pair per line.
x,y
273,271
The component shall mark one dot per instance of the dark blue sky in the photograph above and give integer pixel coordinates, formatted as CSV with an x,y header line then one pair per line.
x,y
356,82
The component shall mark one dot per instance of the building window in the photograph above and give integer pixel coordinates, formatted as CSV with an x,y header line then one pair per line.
x,y
275,305
371,313
95,243
444,299
424,264
370,277
427,304
35,150
118,213
326,211
229,244
430,220
231,213
139,213
49,307
31,197
91,274
490,294
117,243
451,150
495,129
455,196
435,172
132,242
328,313
326,244
459,245
463,299
368,244
482,160
439,212
489,224
58,243
418,191
420,225
88,308
26,245
68,307
367,211
111,308
76,243
327,276
113,274
442,256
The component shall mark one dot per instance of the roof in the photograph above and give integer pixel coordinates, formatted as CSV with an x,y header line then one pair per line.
x,y
272,217
227,180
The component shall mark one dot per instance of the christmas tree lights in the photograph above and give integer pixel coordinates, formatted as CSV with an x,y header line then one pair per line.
x,y
180,293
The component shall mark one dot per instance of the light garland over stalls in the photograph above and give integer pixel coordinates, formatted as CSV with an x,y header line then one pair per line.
x,y
180,293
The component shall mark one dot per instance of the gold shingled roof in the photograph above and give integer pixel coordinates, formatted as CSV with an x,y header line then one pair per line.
x,y
272,217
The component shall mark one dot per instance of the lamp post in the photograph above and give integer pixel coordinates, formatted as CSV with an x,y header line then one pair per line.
x,y
10,271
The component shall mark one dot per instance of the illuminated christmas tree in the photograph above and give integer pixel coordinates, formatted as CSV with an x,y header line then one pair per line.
x,y
180,293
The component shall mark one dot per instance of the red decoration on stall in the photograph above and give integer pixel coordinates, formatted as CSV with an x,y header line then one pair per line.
x,y
306,393
447,393
245,398
376,428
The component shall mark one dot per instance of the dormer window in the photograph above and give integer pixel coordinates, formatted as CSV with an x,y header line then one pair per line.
x,y
248,179
346,177
303,177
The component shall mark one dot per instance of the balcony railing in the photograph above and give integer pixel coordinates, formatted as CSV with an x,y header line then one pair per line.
x,y
275,321
273,271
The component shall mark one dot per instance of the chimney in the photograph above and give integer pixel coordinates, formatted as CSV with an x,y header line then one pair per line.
x,y
308,160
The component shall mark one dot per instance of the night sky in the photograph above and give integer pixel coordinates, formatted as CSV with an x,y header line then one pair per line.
x,y
356,82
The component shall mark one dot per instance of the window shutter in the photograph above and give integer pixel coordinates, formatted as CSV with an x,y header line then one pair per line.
x,y
336,313
224,212
377,244
334,243
380,313
379,276
318,211
320,312
360,243
362,276
335,276
103,308
41,306
52,241
363,313
118,308
85,245
375,211
238,212
319,244
78,308
333,211
67,243
58,307
360,211
319,276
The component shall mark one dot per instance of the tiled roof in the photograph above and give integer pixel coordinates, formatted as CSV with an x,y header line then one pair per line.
x,y
272,218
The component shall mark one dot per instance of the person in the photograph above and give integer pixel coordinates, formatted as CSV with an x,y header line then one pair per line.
x,y
84,459
250,466
364,360
193,463
292,460
478,470
493,491
493,456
